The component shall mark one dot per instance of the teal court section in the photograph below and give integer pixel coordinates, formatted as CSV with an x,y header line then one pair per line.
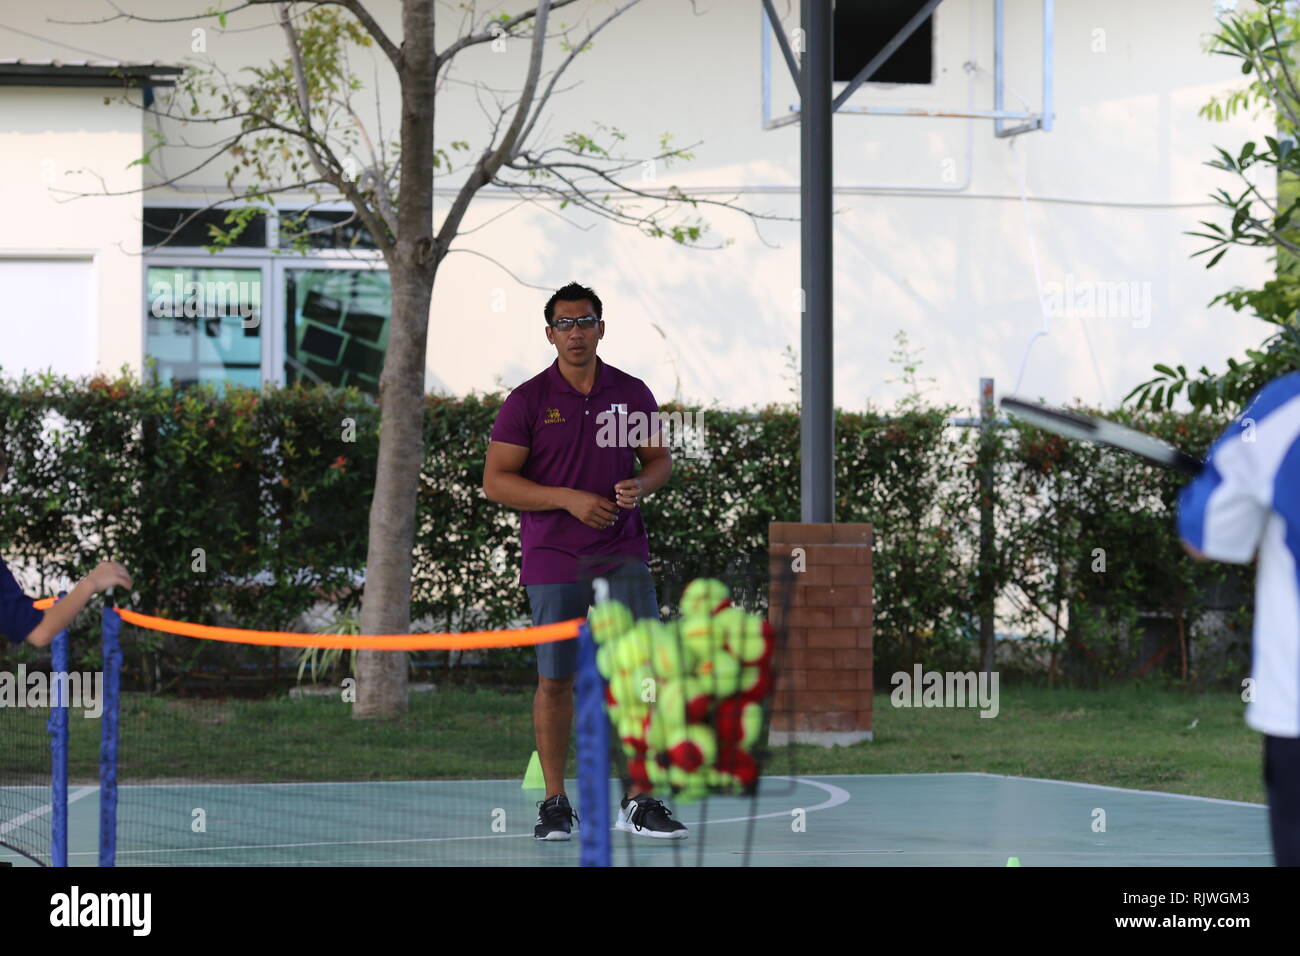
x,y
967,819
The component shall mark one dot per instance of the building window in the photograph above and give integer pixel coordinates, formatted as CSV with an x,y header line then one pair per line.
x,y
336,326
204,325
863,27
160,221
262,311
322,229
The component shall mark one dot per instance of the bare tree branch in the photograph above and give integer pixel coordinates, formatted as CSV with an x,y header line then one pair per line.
x,y
563,66
487,166
333,175
505,26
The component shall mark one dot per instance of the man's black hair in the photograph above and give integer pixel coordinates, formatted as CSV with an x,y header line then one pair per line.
x,y
573,292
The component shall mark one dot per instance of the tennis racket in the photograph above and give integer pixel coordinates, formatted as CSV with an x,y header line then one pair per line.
x,y
1103,432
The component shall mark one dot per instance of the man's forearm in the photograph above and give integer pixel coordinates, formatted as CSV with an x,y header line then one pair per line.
x,y
654,474
521,494
61,614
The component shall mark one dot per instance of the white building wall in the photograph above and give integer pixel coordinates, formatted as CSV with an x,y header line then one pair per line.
x,y
69,255
1110,192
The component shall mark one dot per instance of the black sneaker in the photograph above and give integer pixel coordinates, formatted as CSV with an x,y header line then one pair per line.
x,y
648,817
555,819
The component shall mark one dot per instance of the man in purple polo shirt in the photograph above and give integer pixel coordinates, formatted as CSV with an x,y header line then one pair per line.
x,y
550,458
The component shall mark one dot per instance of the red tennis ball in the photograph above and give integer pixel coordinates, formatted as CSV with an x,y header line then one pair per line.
x,y
730,731
697,708
636,743
636,770
739,764
724,603
687,756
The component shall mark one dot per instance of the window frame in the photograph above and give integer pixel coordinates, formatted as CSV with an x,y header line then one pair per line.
x,y
271,260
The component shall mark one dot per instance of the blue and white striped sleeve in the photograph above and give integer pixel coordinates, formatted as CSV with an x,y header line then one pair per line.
x,y
1223,512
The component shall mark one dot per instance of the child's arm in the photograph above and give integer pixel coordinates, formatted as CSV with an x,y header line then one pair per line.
x,y
107,575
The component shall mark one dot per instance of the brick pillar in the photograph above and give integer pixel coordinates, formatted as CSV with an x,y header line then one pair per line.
x,y
823,689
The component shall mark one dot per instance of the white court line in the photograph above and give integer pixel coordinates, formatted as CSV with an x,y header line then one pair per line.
x,y
836,797
1100,786
31,815
1083,853
1007,776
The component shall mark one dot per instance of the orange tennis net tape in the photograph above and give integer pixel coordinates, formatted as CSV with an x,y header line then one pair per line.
x,y
467,641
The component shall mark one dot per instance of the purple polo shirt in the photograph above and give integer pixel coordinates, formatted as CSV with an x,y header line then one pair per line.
x,y
559,426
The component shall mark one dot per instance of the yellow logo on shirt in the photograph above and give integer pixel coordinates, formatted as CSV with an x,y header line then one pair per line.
x,y
553,417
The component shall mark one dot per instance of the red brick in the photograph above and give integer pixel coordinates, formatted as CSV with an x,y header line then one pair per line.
x,y
832,720
791,680
798,533
853,659
832,637
816,597
817,576
812,617
784,700
844,597
818,659
847,700
779,532
833,680
852,532
863,679
864,636
851,616
812,701
796,637
783,721
857,575
839,554
864,720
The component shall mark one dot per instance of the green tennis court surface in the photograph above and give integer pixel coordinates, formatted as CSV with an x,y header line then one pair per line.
x,y
964,819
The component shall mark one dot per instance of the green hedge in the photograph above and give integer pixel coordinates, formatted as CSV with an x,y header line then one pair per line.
x,y
274,487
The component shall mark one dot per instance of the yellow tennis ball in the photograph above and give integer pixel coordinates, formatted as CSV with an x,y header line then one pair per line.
x,y
698,636
703,595
642,642
658,776
626,654
656,736
749,645
751,723
670,708
729,628
609,621
670,657
720,674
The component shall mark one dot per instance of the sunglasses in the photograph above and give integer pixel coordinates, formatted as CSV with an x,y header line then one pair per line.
x,y
566,324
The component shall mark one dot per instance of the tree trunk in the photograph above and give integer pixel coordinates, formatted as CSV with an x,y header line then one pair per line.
x,y
412,265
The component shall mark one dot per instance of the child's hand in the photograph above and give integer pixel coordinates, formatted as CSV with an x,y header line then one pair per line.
x,y
110,574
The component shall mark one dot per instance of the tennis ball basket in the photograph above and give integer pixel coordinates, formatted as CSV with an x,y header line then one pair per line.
x,y
688,699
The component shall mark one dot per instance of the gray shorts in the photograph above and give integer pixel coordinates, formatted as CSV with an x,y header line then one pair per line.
x,y
630,583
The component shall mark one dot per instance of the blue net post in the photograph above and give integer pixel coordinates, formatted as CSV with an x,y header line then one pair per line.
x,y
112,664
593,756
58,728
